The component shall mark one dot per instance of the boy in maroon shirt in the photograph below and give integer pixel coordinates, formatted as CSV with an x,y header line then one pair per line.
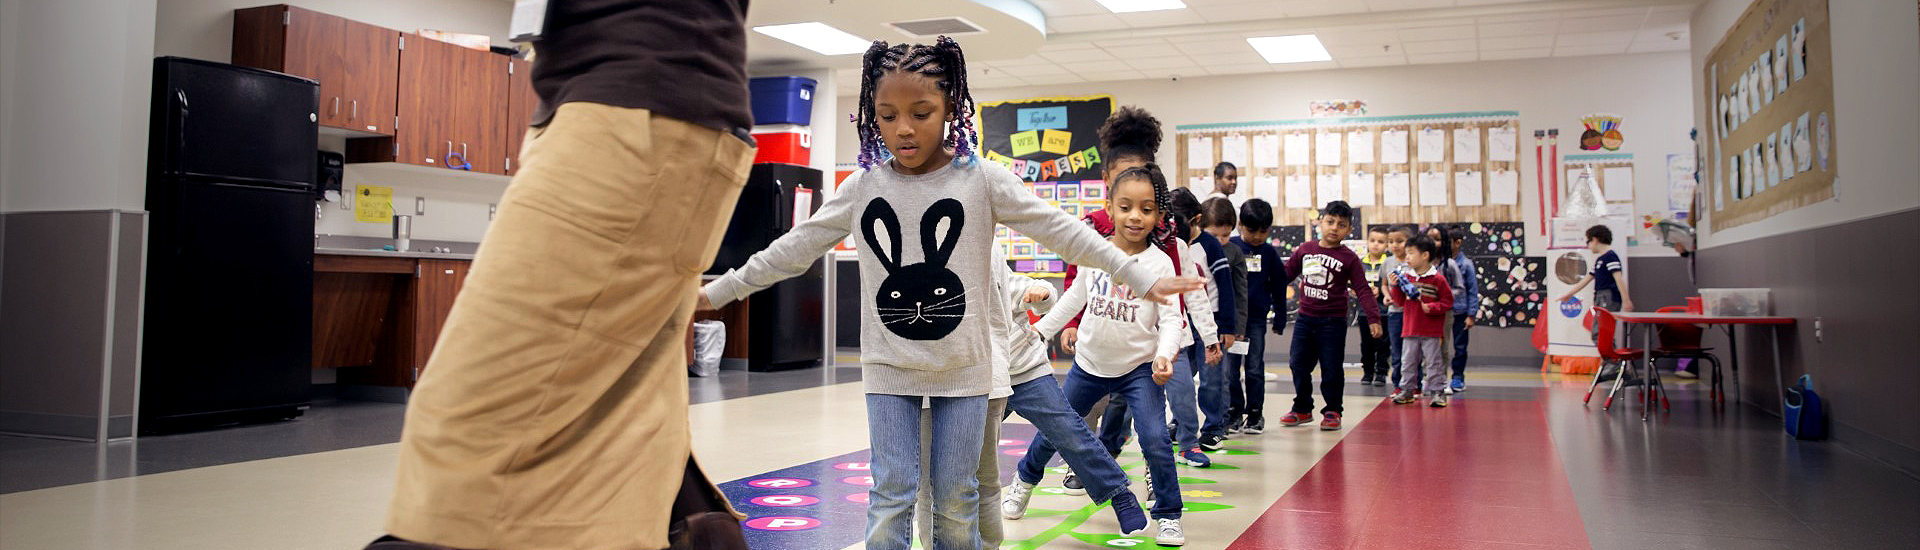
x,y
1425,322
1326,270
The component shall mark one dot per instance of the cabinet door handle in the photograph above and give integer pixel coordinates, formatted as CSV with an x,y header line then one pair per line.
x,y
463,150
449,147
336,107
356,111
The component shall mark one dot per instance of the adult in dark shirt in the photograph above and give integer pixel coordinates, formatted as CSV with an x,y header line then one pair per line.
x,y
553,413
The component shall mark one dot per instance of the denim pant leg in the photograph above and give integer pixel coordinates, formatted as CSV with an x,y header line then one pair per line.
x,y
1394,342
987,472
1113,425
1253,371
1182,401
1212,396
1146,398
1041,402
1333,376
959,425
1460,346
893,431
1303,355
1230,377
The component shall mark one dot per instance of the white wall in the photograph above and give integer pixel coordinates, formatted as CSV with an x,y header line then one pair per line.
x,y
1875,79
1648,90
77,75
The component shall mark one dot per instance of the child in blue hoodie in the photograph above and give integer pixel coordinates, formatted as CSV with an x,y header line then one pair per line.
x,y
1266,292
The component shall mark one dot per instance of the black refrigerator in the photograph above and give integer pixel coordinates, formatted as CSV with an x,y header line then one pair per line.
x,y
229,301
783,321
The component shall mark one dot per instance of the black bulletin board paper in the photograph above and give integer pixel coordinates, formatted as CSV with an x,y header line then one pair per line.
x,y
1080,117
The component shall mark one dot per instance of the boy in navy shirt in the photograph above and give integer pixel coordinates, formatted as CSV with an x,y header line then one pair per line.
x,y
1327,270
1266,292
1609,282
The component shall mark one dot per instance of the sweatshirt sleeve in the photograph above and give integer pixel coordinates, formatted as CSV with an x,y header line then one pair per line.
x,y
1076,243
1277,285
1200,302
1172,329
1357,281
792,253
1471,275
1224,311
1068,308
1241,304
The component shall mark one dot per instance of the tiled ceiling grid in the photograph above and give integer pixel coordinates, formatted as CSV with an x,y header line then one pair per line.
x,y
1574,32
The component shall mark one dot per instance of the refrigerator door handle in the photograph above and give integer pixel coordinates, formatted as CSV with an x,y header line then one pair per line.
x,y
180,124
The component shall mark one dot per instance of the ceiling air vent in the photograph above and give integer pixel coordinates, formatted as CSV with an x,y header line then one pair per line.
x,y
928,28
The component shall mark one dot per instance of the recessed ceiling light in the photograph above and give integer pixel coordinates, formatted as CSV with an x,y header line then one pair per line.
x,y
818,37
1128,6
1299,48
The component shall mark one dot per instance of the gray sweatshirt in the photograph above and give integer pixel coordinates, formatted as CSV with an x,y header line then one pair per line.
x,y
1026,353
925,268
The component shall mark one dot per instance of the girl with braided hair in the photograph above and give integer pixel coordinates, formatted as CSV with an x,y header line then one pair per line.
x,y
927,320
1128,343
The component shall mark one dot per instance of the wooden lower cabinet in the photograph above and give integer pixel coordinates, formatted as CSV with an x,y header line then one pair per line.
x,y
376,319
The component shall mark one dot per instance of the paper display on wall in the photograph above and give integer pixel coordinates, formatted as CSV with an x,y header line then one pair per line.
x,y
1395,190
1680,182
1267,188
1502,144
1433,189
1266,151
1393,146
1296,149
1503,187
1233,149
1466,145
1299,192
1329,188
1359,147
373,204
1432,147
1327,148
1200,152
1466,188
1618,183
1360,189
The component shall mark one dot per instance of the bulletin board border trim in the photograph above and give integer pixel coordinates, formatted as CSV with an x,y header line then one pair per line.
x,y
985,104
1596,157
1337,121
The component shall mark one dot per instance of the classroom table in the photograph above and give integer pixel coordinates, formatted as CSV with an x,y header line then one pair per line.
x,y
1655,320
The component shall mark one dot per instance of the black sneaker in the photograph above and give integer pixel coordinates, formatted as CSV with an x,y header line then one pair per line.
x,y
1366,379
1255,425
1211,442
1236,424
1380,380
1072,485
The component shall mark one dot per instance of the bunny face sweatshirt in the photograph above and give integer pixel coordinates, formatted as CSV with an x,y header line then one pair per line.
x,y
926,292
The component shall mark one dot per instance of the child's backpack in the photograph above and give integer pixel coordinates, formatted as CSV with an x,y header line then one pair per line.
x,y
1805,414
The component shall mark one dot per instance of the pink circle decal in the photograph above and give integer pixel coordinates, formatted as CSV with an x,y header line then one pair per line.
x,y
782,523
785,500
780,483
857,498
854,466
1014,452
863,481
1012,442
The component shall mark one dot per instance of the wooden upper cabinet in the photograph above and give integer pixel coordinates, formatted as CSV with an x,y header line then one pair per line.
x,y
355,63
428,82
521,102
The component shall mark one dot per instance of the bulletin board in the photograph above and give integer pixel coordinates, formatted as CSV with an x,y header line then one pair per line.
x,y
1770,91
1053,145
1512,284
1614,174
1452,167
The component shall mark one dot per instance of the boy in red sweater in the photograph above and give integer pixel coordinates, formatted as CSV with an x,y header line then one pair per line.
x,y
1327,270
1425,322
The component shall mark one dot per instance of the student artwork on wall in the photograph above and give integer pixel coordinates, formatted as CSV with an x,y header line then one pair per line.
x,y
1602,132
1052,144
1770,83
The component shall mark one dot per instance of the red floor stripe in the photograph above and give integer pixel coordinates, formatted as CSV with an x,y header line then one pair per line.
x,y
1479,474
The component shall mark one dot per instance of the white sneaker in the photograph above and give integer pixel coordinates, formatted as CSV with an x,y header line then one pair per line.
x,y
1014,506
1170,533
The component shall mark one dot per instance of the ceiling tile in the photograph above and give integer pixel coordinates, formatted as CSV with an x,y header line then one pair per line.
x,y
1125,53
1171,72
1112,76
1374,61
1056,79
1028,60
1056,8
1085,23
1523,18
1602,49
1244,68
993,82
1068,56
1131,42
1243,11
1437,33
1515,42
1051,47
1098,66
1595,39
1160,62
1224,45
1309,8
1033,70
1359,36
1298,67
1362,50
1602,24
1522,28
1162,18
1482,2
1232,58
1440,46
1529,53
1663,18
1432,58
1396,5
1661,45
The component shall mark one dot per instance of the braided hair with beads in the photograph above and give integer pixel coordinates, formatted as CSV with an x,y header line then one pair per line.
x,y
1163,234
945,64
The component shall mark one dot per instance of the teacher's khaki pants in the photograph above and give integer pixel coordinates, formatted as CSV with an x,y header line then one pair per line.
x,y
553,413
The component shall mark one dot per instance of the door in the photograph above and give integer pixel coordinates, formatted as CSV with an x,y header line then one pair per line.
x,y
424,134
479,106
369,73
521,103
438,284
230,123
315,43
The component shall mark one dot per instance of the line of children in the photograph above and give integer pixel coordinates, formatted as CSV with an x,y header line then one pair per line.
x,y
922,332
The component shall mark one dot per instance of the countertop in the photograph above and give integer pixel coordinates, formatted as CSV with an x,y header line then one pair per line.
x,y
391,254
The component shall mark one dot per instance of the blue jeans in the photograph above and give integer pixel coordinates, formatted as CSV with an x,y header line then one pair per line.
x,y
1212,396
1041,402
1393,339
893,429
1147,401
1320,341
1246,375
1181,399
1460,346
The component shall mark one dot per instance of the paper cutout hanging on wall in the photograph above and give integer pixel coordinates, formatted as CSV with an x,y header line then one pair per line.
x,y
1299,191
1433,189
1466,188
1025,143
1360,188
1603,132
1359,147
1058,142
1393,146
1266,151
1433,143
1502,144
1396,189
1297,149
1329,188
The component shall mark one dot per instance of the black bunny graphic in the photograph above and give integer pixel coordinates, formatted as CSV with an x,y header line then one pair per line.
x,y
923,301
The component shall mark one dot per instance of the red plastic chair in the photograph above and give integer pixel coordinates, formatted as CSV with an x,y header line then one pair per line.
x,y
1682,340
1628,359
